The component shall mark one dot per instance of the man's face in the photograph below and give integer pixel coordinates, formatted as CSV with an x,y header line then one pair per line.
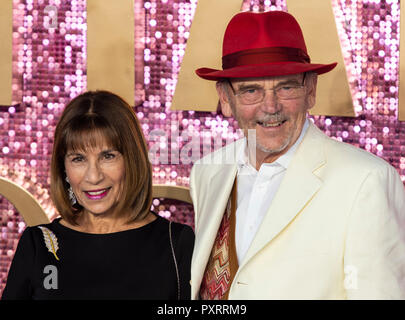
x,y
277,119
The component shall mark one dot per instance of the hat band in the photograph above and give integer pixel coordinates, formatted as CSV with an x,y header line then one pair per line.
x,y
264,55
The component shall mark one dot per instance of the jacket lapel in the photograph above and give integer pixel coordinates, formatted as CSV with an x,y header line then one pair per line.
x,y
210,214
298,187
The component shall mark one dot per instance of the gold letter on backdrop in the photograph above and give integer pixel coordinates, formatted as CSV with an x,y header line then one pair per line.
x,y
6,55
24,202
318,25
204,49
401,84
110,47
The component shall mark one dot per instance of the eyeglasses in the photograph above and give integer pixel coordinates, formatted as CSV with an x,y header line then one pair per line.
x,y
255,94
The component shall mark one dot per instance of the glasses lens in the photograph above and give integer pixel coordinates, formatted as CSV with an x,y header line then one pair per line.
x,y
290,92
251,96
256,95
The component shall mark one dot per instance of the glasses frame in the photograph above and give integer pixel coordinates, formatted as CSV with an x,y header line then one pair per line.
x,y
264,90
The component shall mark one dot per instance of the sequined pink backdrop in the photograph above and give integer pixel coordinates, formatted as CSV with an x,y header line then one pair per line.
x,y
49,68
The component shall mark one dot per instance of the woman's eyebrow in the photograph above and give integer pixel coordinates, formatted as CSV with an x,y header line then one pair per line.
x,y
70,154
108,151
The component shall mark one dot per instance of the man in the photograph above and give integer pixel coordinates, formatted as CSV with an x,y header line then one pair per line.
x,y
297,215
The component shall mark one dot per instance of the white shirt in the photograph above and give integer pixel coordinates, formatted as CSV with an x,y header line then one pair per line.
x,y
256,190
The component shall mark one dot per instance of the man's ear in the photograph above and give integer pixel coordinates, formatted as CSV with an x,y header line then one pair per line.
x,y
313,80
224,99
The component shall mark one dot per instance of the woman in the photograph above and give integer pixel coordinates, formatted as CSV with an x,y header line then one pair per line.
x,y
107,243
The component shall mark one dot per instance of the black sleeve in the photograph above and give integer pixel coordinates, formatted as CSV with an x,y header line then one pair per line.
x,y
184,250
18,284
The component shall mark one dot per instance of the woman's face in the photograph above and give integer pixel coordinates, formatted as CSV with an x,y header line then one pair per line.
x,y
97,177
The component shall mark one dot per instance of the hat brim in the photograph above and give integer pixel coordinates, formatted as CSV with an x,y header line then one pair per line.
x,y
264,70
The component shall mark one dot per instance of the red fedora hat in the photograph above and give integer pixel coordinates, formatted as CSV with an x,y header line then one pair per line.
x,y
263,44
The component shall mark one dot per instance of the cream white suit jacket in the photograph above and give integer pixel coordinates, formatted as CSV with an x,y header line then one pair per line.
x,y
335,228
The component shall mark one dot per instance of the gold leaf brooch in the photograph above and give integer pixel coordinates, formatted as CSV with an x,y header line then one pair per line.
x,y
51,241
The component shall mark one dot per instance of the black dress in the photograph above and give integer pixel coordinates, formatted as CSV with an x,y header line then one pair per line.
x,y
131,264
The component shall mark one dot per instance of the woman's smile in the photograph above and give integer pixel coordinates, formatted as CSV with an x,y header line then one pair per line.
x,y
97,194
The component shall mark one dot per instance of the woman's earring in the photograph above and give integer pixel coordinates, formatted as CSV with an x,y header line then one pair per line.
x,y
71,195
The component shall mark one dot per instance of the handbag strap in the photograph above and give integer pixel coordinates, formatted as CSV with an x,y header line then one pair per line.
x,y
175,260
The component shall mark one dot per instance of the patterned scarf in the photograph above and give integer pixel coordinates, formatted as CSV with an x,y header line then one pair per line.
x,y
223,263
